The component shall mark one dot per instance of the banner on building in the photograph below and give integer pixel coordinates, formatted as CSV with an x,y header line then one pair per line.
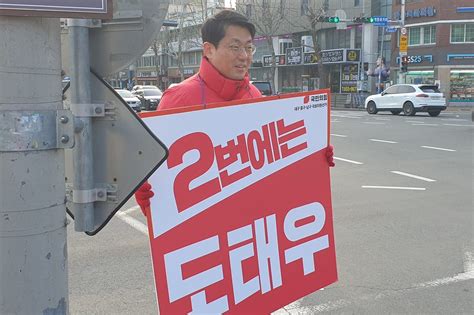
x,y
241,221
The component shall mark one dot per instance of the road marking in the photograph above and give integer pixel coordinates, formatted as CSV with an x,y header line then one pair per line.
x,y
129,210
394,187
373,123
436,148
384,141
383,119
413,176
336,135
134,223
349,161
295,308
457,125
423,124
414,121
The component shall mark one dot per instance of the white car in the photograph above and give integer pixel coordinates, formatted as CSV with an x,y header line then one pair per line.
x,y
130,99
408,98
144,87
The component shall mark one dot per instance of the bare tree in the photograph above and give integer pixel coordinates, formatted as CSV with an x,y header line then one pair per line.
x,y
267,16
307,17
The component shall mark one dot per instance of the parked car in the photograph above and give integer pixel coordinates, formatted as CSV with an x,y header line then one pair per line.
x,y
143,87
150,98
409,98
130,99
264,87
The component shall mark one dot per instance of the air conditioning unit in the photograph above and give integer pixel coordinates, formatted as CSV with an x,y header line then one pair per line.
x,y
307,43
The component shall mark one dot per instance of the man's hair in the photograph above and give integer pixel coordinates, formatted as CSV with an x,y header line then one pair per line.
x,y
213,29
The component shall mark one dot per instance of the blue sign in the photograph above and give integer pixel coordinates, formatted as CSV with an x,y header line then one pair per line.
x,y
380,20
417,13
390,29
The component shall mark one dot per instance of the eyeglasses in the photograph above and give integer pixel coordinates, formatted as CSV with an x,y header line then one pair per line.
x,y
237,50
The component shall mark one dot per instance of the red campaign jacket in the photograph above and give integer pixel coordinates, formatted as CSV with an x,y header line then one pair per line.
x,y
207,86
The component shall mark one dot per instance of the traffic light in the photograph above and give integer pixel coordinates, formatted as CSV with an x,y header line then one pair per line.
x,y
329,19
363,19
404,65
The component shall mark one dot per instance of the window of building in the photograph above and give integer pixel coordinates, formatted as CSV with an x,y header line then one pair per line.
x,y
248,10
423,35
462,33
304,7
356,3
462,86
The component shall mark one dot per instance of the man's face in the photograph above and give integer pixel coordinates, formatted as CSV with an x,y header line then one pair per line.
x,y
231,57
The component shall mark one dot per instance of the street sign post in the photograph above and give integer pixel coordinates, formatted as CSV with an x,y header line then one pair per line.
x,y
243,220
59,8
125,154
115,44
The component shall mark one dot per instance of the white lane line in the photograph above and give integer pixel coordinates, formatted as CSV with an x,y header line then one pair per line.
x,y
384,141
336,135
394,187
414,121
457,125
414,176
295,308
436,148
129,210
383,119
134,223
348,161
424,124
373,123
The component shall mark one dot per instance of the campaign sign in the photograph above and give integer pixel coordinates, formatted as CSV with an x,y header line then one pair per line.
x,y
241,221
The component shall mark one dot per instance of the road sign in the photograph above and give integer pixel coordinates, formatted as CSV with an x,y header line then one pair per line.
x,y
380,20
403,31
60,8
243,220
125,153
389,29
403,44
115,44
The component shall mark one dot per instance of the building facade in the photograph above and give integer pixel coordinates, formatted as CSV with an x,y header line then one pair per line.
x,y
440,46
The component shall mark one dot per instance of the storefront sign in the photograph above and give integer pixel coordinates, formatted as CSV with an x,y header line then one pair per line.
x,y
279,59
294,56
349,77
57,8
242,221
311,58
417,59
340,55
332,56
459,57
417,13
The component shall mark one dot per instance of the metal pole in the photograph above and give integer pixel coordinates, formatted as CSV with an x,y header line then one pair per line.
x,y
379,89
401,76
33,242
83,182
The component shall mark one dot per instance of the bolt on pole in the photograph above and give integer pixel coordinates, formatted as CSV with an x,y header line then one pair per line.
x,y
33,239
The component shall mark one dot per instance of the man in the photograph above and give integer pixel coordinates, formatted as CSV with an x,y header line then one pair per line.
x,y
223,74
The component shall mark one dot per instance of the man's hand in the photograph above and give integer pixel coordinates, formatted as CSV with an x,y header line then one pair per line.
x,y
330,155
143,195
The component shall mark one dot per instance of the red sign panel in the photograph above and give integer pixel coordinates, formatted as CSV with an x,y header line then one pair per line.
x,y
55,8
241,222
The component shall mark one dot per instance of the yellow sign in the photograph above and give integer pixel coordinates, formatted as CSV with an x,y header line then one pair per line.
x,y
403,43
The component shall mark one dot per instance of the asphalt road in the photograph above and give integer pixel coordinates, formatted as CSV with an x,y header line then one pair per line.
x,y
402,194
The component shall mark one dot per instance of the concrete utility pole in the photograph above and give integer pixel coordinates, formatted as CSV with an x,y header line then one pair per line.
x,y
401,76
33,244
